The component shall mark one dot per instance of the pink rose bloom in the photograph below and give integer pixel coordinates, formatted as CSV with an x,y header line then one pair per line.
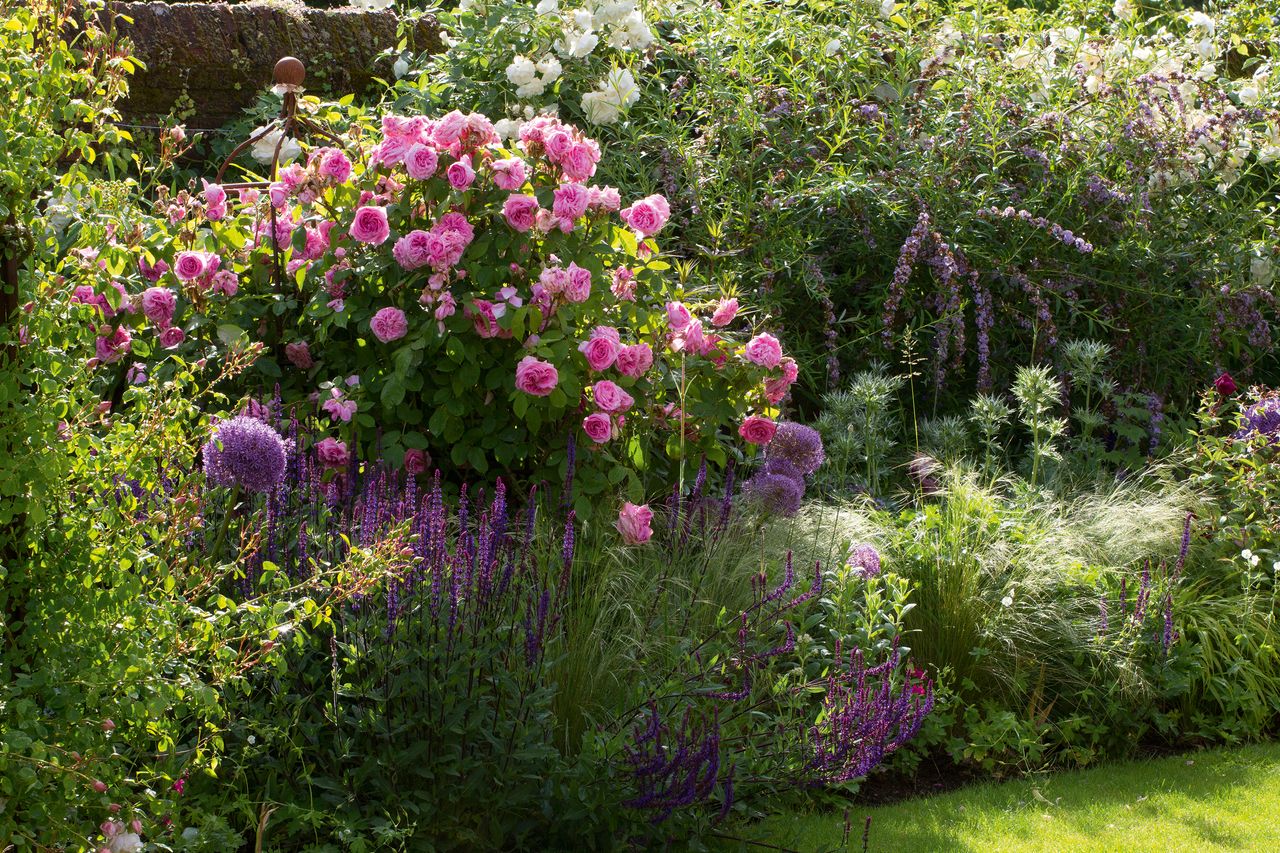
x,y
299,354
764,350
421,162
332,453
611,398
633,523
334,165
579,161
571,201
600,352
757,429
225,282
152,273
189,266
158,303
171,337
607,332
604,199
598,426
509,174
535,376
339,407
416,461
678,316
370,225
389,324
635,361
215,201
111,347
449,129
414,250
648,215
461,174
557,143
447,307
579,287
777,387
484,315
137,373
520,211
725,311
624,284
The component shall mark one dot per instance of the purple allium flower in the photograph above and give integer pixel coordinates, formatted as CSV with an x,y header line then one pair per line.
x,y
1262,419
777,493
246,452
798,444
865,560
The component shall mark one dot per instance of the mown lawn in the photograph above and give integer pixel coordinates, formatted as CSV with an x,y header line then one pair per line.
x,y
1227,799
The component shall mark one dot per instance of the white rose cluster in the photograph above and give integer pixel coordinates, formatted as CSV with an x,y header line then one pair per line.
x,y
616,92
532,78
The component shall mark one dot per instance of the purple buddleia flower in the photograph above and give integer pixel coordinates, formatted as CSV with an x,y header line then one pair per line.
x,y
245,452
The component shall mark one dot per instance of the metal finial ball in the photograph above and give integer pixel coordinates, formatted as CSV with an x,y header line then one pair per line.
x,y
289,72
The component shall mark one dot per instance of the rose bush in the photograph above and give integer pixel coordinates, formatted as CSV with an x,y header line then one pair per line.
x,y
428,288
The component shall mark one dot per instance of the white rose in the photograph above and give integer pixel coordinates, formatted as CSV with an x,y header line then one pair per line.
x,y
833,47
1124,9
1261,271
521,71
532,89
583,19
400,68
126,842
264,149
549,68
1249,95
507,128
584,44
600,109
1201,21
546,7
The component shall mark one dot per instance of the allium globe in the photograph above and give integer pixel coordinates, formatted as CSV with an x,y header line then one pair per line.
x,y
245,452
776,493
798,444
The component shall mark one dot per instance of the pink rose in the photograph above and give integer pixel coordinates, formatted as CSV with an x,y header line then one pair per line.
x,y
299,354
579,162
579,287
370,225
635,361
764,350
678,316
604,199
152,273
171,337
598,426
215,201
757,429
611,398
557,143
725,311
416,461
339,407
600,353
414,250
484,314
449,129
536,377
158,303
332,453
777,387
624,284
334,165
110,348
389,324
571,201
189,266
421,162
225,282
509,174
633,523
520,211
461,174
648,215
607,332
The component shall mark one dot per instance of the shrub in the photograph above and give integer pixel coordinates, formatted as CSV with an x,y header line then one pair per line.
x,y
447,296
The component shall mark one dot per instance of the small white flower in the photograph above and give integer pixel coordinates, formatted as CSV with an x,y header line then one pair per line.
x,y
1261,271
583,45
833,47
126,842
1249,95
1124,9
400,67
1249,557
583,19
546,7
886,8
549,67
507,128
1007,601
1201,21
252,739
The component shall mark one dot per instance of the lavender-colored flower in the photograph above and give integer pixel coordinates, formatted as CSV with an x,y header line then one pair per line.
x,y
865,560
246,452
1262,419
798,444
779,494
